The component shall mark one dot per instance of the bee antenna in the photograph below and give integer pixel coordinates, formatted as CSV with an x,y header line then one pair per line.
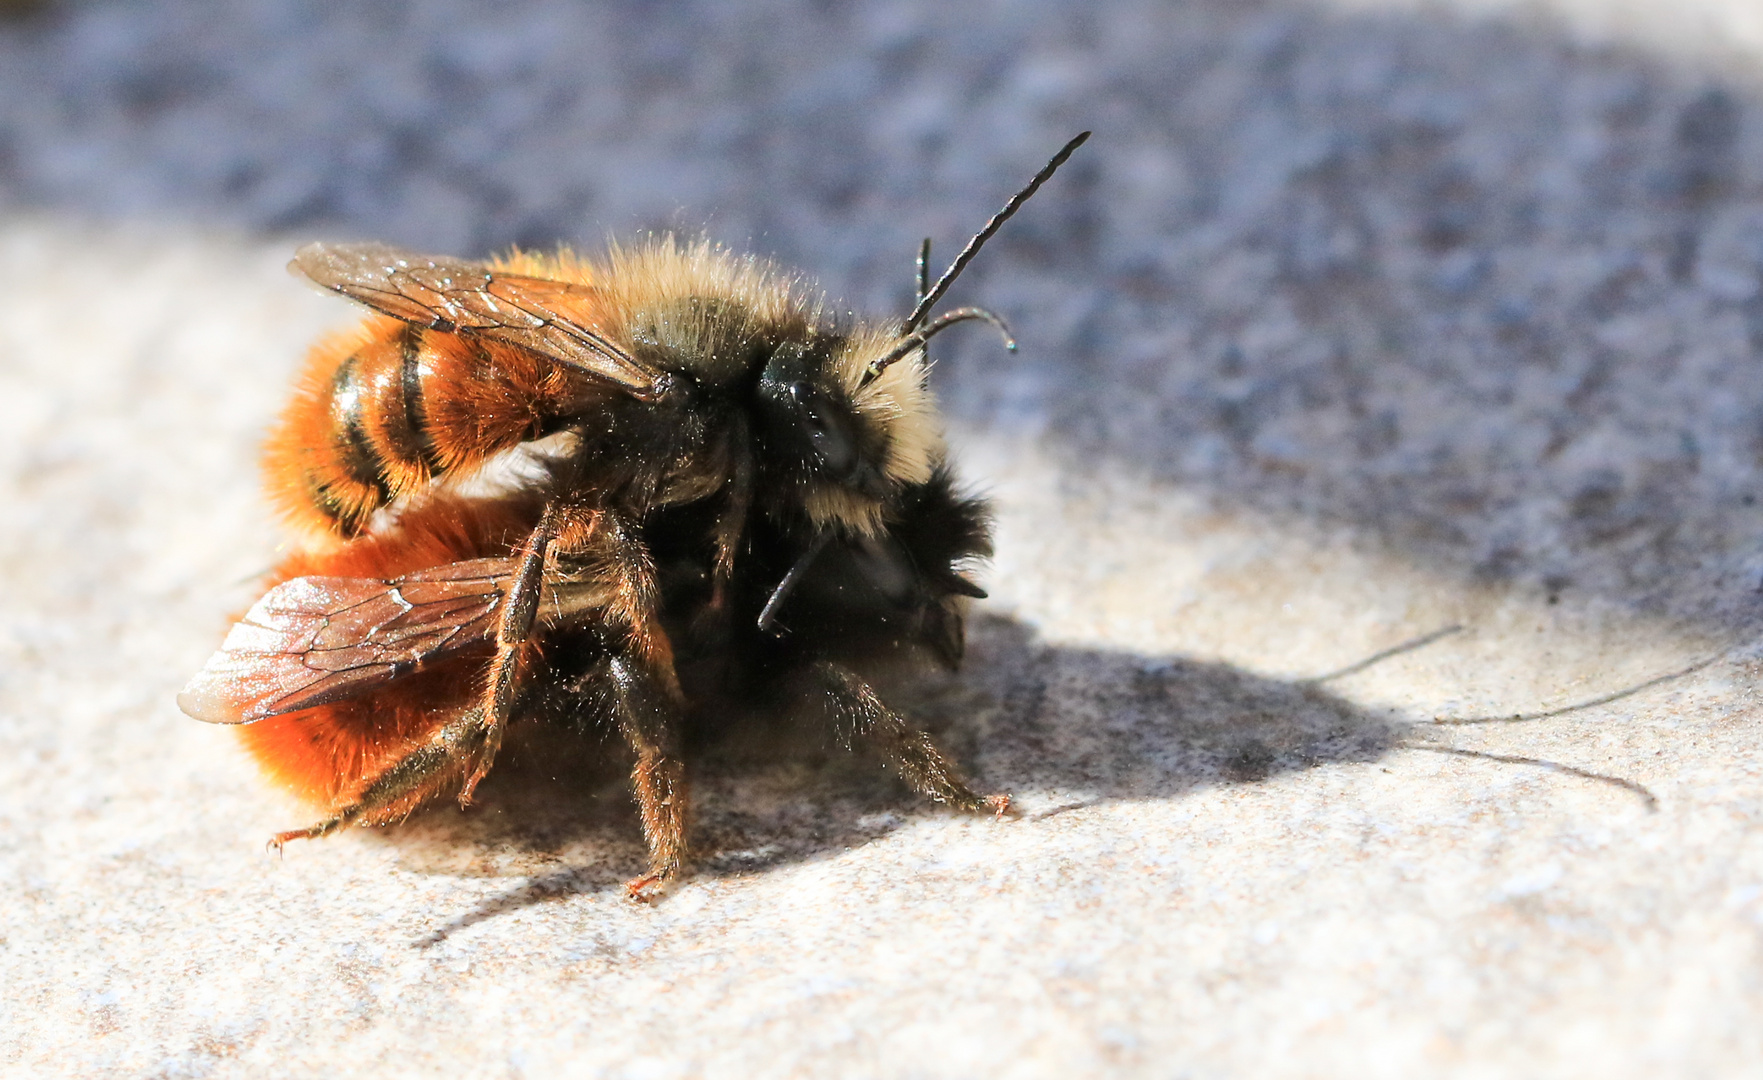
x,y
788,584
917,338
927,298
923,270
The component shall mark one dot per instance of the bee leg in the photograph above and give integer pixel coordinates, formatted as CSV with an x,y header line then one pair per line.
x,y
862,716
732,519
519,612
646,705
644,696
407,780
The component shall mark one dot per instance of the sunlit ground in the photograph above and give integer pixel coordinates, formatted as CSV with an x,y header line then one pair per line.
x,y
1372,633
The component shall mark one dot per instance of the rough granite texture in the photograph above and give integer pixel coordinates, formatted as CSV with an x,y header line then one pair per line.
x,y
1383,362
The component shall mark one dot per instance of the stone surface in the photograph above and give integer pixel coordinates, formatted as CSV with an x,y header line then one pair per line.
x,y
1387,367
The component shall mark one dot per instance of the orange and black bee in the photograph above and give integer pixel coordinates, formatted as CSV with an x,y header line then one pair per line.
x,y
731,498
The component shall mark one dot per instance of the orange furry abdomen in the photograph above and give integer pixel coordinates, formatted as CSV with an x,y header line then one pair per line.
x,y
327,754
381,410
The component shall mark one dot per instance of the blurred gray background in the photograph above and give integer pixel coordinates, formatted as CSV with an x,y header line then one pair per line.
x,y
1461,282
1360,329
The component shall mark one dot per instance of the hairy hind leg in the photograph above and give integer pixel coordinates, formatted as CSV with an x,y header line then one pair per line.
x,y
863,717
520,610
640,689
646,706
407,781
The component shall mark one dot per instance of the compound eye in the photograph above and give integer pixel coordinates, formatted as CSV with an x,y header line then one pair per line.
x,y
830,436
804,421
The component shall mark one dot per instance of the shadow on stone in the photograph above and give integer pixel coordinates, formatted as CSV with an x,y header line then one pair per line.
x,y
1053,724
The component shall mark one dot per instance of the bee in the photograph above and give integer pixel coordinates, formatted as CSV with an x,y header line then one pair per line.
x,y
733,499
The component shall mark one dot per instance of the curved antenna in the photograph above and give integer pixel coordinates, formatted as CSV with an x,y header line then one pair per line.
x,y
917,338
768,614
927,299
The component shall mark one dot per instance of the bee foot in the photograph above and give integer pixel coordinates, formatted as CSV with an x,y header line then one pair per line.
x,y
648,888
1001,806
280,840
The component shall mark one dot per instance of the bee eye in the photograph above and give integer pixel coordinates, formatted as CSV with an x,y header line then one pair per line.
x,y
799,414
831,439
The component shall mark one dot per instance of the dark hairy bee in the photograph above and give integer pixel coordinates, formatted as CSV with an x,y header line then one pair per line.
x,y
732,498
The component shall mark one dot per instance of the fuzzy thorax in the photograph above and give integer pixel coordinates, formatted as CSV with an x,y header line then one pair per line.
x,y
710,305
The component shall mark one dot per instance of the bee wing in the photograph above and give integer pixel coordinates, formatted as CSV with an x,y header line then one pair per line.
x,y
454,294
315,640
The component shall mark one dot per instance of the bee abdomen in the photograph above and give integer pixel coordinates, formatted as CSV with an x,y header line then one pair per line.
x,y
352,440
407,430
355,451
391,419
386,410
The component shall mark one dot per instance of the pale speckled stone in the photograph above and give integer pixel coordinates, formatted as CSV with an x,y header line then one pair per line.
x,y
1357,324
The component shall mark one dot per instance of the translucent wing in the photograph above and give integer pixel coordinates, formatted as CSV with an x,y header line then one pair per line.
x,y
468,297
315,640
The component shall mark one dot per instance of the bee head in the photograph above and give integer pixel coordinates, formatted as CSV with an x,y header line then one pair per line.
x,y
880,429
